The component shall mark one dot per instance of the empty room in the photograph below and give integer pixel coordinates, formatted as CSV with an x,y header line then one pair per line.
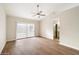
x,y
39,28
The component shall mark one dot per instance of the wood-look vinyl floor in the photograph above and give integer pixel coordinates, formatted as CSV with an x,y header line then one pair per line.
x,y
37,46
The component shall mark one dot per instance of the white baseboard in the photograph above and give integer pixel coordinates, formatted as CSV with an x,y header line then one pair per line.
x,y
69,46
46,37
20,38
10,40
2,48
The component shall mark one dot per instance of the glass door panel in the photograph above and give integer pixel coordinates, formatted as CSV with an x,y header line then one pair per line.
x,y
24,30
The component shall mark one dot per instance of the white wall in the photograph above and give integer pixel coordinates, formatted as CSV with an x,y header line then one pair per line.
x,y
11,26
69,28
46,26
2,28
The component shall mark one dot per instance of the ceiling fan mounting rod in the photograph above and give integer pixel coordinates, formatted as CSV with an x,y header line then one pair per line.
x,y
39,12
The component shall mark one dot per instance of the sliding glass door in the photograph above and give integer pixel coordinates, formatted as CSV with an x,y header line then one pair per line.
x,y
24,30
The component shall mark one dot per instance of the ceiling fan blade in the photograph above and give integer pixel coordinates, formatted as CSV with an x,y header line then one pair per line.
x,y
39,12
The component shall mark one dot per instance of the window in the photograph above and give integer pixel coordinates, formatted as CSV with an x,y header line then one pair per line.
x,y
24,30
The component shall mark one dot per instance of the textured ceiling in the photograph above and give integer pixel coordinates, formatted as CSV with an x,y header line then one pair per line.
x,y
25,10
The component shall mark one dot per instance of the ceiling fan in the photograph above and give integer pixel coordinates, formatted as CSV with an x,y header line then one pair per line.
x,y
39,12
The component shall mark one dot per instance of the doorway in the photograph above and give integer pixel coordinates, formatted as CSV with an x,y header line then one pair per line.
x,y
24,30
56,31
56,28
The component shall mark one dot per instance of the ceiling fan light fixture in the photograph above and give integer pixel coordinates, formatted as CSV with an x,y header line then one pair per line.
x,y
39,12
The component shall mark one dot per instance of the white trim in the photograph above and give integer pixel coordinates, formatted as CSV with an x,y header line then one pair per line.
x,y
11,40
69,46
2,48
